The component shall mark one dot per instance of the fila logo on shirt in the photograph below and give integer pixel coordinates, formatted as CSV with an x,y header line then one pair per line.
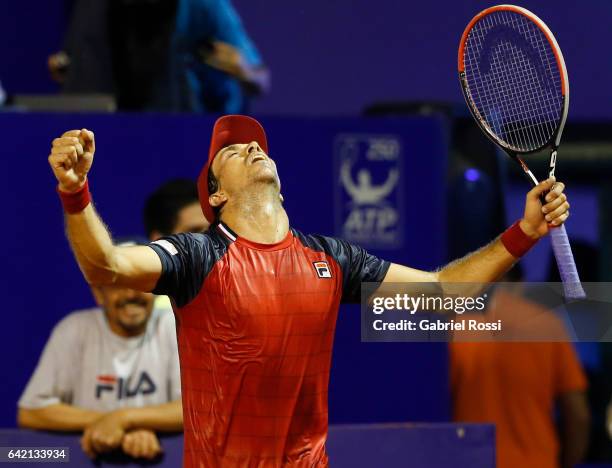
x,y
125,388
322,269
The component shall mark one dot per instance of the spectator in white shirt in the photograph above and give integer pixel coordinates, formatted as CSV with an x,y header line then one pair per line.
x,y
112,372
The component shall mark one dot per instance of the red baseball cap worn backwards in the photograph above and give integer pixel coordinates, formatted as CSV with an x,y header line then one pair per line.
x,y
228,130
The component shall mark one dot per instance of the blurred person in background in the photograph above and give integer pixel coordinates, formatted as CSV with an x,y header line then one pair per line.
x,y
215,65
140,36
172,208
518,385
84,64
111,372
161,55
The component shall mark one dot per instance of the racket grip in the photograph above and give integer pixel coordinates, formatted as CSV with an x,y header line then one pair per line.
x,y
565,262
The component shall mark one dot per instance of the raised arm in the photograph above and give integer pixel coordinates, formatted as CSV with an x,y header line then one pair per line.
x,y
490,262
101,262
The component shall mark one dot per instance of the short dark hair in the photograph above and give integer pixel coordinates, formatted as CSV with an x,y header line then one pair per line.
x,y
213,186
162,206
213,183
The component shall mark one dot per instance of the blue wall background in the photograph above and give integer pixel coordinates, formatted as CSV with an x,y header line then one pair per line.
x,y
338,56
41,282
335,57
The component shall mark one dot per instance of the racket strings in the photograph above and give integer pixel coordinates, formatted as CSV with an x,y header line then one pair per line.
x,y
499,69
513,80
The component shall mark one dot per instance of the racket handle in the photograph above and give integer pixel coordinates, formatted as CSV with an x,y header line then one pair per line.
x,y
565,262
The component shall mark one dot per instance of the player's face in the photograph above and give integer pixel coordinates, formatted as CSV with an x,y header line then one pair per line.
x,y
191,219
239,166
127,310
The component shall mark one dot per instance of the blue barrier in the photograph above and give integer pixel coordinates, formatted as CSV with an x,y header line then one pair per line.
x,y
350,446
370,382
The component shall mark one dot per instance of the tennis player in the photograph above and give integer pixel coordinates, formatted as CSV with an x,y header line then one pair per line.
x,y
256,301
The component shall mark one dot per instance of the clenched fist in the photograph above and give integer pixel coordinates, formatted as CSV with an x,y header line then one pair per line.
x,y
71,158
104,434
141,443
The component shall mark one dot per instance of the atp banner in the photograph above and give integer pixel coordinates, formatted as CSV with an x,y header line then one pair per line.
x,y
369,195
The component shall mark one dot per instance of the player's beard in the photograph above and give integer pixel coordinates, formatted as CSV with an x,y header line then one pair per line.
x,y
132,316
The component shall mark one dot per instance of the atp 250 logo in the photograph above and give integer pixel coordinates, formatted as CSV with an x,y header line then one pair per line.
x,y
368,173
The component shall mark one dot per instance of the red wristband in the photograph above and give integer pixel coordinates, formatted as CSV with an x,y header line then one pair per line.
x,y
516,241
75,202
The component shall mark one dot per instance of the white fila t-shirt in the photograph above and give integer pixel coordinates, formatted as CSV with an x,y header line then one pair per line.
x,y
86,365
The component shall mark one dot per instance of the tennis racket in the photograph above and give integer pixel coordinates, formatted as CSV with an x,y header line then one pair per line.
x,y
515,83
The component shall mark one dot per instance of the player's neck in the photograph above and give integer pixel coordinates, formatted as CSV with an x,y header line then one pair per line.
x,y
257,216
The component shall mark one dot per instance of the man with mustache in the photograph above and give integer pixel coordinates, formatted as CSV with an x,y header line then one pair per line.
x,y
257,300
111,372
